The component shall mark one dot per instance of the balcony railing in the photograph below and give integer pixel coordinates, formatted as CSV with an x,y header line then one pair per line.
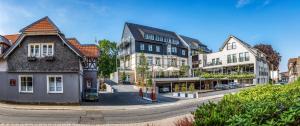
x,y
212,64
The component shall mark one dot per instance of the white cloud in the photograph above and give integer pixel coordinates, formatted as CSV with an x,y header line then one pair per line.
x,y
242,3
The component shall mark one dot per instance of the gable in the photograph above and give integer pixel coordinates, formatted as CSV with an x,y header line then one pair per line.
x,y
42,25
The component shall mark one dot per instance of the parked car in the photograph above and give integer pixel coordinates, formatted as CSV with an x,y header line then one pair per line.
x,y
91,94
233,85
221,86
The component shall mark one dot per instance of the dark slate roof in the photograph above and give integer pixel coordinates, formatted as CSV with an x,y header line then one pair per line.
x,y
138,30
194,43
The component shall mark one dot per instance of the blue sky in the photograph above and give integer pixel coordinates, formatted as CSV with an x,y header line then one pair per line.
x,y
273,22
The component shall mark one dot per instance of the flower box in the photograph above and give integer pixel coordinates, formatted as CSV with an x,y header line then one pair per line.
x,y
31,58
181,94
49,58
176,94
192,95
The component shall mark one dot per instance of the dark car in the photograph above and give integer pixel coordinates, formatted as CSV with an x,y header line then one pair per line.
x,y
233,85
221,87
91,94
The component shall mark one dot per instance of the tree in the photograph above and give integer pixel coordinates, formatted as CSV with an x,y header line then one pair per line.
x,y
142,68
123,77
184,70
107,61
273,56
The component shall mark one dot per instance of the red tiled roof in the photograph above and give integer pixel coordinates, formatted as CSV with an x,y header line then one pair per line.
x,y
86,50
42,25
12,38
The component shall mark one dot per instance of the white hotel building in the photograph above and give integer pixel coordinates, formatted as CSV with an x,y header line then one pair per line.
x,y
164,49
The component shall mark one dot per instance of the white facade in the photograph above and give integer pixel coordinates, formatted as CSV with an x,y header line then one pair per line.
x,y
241,55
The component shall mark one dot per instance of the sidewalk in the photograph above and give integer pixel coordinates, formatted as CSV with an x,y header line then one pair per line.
x,y
127,107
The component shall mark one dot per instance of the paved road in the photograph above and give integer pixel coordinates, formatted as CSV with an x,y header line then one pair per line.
x,y
126,95
112,116
96,117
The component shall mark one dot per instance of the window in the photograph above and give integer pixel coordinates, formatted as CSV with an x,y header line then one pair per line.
x,y
183,52
234,58
34,50
233,45
213,61
174,49
157,48
157,61
142,47
173,62
47,50
241,57
229,59
150,47
229,47
55,84
247,57
0,49
150,60
182,62
25,84
169,49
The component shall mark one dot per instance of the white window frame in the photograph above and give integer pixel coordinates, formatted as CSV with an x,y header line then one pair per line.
x,y
20,91
48,84
47,49
157,48
34,54
150,48
183,52
142,47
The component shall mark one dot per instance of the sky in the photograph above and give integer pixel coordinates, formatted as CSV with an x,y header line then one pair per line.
x,y
275,22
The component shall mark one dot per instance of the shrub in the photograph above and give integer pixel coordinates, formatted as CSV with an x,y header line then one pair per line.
x,y
260,105
176,88
149,82
192,87
183,88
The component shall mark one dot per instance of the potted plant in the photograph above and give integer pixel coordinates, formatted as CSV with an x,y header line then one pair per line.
x,y
183,91
192,93
176,94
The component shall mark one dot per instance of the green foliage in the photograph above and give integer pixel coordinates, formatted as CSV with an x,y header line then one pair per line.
x,y
149,82
107,61
192,87
142,67
184,70
229,76
123,76
176,87
260,105
183,88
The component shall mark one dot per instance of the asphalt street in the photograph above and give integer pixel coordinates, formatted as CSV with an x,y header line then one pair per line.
x,y
124,96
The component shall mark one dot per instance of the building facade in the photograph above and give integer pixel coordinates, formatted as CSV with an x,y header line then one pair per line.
x,y
164,50
294,69
234,57
40,65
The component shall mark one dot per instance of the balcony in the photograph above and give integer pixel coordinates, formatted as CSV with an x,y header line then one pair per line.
x,y
212,64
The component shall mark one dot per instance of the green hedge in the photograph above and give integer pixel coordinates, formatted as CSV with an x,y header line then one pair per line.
x,y
229,76
260,105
